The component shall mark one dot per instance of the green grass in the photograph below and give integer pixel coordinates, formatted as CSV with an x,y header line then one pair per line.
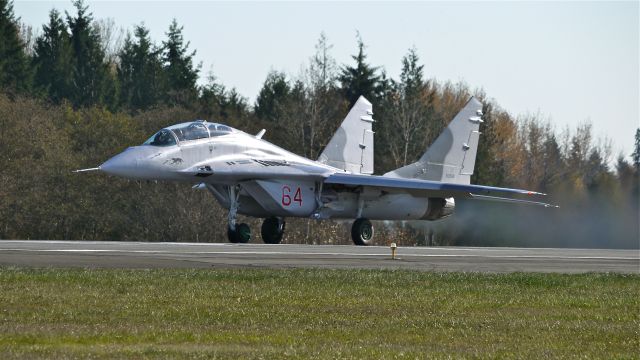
x,y
315,314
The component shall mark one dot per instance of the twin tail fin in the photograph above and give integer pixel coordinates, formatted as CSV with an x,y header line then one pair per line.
x,y
452,156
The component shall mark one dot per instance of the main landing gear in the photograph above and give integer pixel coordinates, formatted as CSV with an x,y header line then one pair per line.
x,y
272,227
362,232
272,230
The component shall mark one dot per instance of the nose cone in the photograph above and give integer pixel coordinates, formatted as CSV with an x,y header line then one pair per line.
x,y
124,164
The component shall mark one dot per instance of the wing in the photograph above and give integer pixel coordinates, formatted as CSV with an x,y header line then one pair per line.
x,y
433,188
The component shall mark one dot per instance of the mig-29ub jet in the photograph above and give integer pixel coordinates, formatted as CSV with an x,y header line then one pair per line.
x,y
251,176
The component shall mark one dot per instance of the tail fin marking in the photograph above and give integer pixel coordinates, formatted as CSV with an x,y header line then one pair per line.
x,y
470,149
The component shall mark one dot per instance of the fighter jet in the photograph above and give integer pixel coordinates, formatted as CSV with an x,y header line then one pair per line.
x,y
248,175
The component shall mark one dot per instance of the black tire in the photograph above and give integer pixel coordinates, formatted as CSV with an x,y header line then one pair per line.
x,y
242,234
272,230
362,232
231,235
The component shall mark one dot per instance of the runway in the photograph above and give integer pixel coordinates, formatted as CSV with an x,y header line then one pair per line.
x,y
101,254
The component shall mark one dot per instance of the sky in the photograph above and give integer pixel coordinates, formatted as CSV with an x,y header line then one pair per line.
x,y
571,62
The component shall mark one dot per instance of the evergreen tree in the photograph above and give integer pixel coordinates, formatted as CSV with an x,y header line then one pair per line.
x,y
140,72
235,104
294,122
178,64
15,73
552,161
411,100
212,98
273,97
636,151
360,79
93,83
53,59
625,172
412,77
635,188
595,170
221,105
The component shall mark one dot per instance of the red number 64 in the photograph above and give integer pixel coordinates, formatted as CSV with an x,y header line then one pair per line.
x,y
286,196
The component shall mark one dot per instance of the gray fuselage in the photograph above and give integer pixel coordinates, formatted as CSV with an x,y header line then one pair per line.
x,y
271,181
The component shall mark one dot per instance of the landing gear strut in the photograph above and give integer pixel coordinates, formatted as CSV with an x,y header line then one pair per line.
x,y
272,230
237,233
362,232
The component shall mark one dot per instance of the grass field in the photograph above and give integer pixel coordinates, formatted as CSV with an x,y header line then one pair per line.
x,y
315,314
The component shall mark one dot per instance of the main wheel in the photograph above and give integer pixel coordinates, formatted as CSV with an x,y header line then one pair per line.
x,y
272,230
362,232
242,233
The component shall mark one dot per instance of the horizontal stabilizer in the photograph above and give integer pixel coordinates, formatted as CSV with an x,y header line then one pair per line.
x,y
509,200
86,170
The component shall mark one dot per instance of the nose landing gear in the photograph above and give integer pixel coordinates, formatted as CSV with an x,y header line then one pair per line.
x,y
273,230
362,232
237,233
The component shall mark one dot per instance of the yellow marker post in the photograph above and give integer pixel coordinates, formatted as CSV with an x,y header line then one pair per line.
x,y
393,250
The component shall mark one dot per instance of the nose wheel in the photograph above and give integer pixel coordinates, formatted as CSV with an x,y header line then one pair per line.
x,y
362,232
272,230
241,234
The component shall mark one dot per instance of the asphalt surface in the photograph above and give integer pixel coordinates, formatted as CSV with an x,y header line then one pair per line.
x,y
100,254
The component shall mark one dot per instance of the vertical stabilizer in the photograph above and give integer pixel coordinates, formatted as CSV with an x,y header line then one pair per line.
x,y
351,147
452,157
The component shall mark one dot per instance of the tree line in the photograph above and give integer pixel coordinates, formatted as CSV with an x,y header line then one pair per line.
x,y
71,98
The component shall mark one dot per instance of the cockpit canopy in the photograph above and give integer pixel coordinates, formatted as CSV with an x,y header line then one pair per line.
x,y
199,129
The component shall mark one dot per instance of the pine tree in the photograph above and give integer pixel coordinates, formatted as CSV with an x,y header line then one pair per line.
x,y
140,74
413,107
636,151
92,81
412,77
15,73
361,79
595,170
552,161
234,105
212,99
273,97
53,59
178,64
